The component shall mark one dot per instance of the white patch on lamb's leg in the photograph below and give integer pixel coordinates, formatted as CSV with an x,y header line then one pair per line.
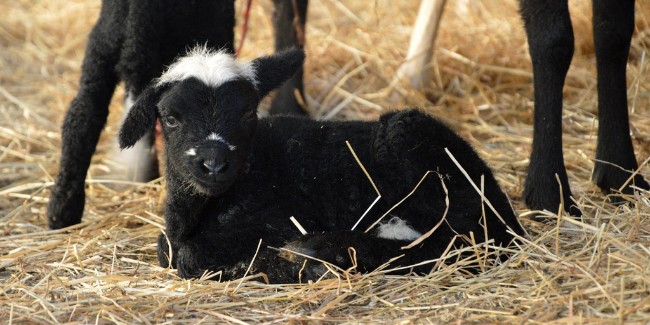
x,y
140,155
397,229
128,102
137,159
191,152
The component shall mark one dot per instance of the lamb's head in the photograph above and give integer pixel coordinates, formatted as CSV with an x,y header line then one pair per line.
x,y
207,104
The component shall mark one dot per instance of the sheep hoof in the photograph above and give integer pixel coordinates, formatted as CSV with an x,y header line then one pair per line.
x,y
611,178
163,252
188,264
543,193
294,253
325,247
66,206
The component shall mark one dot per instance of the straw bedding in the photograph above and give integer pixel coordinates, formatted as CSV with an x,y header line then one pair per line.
x,y
594,270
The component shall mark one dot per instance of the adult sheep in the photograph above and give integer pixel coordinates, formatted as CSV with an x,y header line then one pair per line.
x,y
234,179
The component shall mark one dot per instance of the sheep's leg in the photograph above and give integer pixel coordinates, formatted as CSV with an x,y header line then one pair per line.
x,y
230,250
550,38
232,253
333,248
165,255
371,251
182,217
141,61
613,25
289,19
84,121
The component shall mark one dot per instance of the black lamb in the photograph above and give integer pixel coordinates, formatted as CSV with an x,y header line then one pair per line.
x,y
234,179
133,41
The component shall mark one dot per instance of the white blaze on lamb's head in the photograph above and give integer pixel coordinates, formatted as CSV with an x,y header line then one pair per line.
x,y
213,68
207,104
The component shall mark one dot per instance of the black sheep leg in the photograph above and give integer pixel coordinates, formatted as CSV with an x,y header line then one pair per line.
x,y
230,251
218,252
141,60
332,247
550,37
613,25
164,255
288,35
84,121
371,251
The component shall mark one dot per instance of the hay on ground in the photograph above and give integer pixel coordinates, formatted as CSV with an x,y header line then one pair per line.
x,y
593,270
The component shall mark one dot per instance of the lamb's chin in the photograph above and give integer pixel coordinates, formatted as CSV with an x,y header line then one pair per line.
x,y
210,188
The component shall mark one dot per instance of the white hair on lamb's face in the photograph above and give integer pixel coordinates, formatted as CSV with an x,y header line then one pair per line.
x,y
215,137
213,68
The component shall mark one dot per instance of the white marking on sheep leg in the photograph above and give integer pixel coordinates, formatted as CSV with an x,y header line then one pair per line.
x,y
191,152
397,229
128,102
215,137
139,157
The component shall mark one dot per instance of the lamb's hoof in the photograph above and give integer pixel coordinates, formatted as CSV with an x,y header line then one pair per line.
x,y
65,207
188,264
164,253
611,178
544,194
320,247
298,268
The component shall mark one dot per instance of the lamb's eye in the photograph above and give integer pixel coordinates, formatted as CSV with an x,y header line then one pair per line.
x,y
170,121
249,115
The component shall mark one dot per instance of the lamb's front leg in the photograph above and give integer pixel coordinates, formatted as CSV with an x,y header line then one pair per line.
x,y
165,255
231,251
370,251
183,214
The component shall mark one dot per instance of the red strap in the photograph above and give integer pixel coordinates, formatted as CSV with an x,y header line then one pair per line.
x,y
244,27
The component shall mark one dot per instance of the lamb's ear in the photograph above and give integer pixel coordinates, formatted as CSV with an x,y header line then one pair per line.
x,y
141,117
272,70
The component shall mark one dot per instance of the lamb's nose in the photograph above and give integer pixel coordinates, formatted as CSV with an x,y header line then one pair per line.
x,y
213,167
